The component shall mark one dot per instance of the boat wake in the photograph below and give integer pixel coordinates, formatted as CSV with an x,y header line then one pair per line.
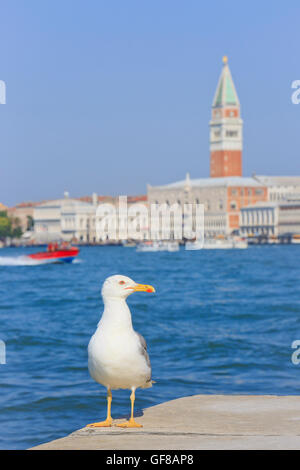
x,y
22,261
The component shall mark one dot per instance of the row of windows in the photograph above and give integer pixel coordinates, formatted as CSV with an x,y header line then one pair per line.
x,y
258,230
247,191
218,113
217,134
215,223
264,217
206,203
231,133
281,196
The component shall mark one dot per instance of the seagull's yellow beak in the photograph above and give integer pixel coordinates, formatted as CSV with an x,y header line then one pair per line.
x,y
143,288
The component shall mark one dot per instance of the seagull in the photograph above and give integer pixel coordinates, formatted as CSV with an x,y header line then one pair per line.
x,y
117,354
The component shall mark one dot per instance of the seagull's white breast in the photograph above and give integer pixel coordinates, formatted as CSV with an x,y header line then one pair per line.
x,y
115,358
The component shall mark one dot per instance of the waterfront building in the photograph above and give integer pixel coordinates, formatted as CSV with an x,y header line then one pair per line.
x,y
226,191
128,218
75,219
23,214
271,219
280,187
62,219
222,198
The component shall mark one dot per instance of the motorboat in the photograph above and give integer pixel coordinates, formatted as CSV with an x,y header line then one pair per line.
x,y
63,255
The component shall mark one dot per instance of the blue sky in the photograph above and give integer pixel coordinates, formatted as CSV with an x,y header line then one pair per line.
x,y
107,96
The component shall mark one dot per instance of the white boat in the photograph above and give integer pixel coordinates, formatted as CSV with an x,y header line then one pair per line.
x,y
172,246
129,244
158,246
274,241
196,245
241,244
217,244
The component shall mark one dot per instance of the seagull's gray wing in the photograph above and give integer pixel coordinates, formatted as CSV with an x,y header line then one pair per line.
x,y
143,349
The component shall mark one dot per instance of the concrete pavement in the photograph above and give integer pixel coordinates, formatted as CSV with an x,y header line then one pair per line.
x,y
200,422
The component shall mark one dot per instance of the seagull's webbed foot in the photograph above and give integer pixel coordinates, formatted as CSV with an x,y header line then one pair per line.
x,y
130,424
108,422
101,424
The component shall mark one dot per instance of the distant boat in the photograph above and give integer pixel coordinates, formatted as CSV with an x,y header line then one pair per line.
x,y
240,243
158,246
173,246
129,244
66,255
217,244
295,239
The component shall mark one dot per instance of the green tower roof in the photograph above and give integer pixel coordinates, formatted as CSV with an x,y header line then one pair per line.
x,y
226,93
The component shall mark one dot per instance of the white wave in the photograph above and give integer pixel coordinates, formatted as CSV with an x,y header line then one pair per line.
x,y
21,261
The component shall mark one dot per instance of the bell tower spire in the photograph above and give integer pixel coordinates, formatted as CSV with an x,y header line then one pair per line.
x,y
226,128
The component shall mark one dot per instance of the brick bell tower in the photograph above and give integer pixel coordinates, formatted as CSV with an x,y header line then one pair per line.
x,y
226,128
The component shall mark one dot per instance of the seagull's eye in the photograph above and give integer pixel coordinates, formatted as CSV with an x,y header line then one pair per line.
x,y
122,282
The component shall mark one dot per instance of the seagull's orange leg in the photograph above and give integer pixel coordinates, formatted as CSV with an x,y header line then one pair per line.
x,y
131,423
108,421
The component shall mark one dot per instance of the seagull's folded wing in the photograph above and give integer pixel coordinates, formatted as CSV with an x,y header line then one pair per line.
x,y
143,349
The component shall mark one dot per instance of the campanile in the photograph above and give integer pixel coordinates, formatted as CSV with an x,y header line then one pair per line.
x,y
226,128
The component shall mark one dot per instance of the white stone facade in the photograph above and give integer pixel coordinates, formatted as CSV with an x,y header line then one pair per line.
x,y
271,219
63,219
281,187
213,193
72,219
213,197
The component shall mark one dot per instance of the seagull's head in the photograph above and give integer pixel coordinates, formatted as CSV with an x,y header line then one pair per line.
x,y
122,286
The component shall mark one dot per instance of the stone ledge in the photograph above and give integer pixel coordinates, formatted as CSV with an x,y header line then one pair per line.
x,y
200,422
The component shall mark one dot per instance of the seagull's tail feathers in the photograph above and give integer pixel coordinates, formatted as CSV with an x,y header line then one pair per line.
x,y
149,384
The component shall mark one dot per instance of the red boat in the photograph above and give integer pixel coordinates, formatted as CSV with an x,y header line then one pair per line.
x,y
58,256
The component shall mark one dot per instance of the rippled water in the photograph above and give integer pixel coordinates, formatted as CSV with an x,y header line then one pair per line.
x,y
220,322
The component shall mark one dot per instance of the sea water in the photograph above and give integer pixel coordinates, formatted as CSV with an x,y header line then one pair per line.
x,y
220,322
